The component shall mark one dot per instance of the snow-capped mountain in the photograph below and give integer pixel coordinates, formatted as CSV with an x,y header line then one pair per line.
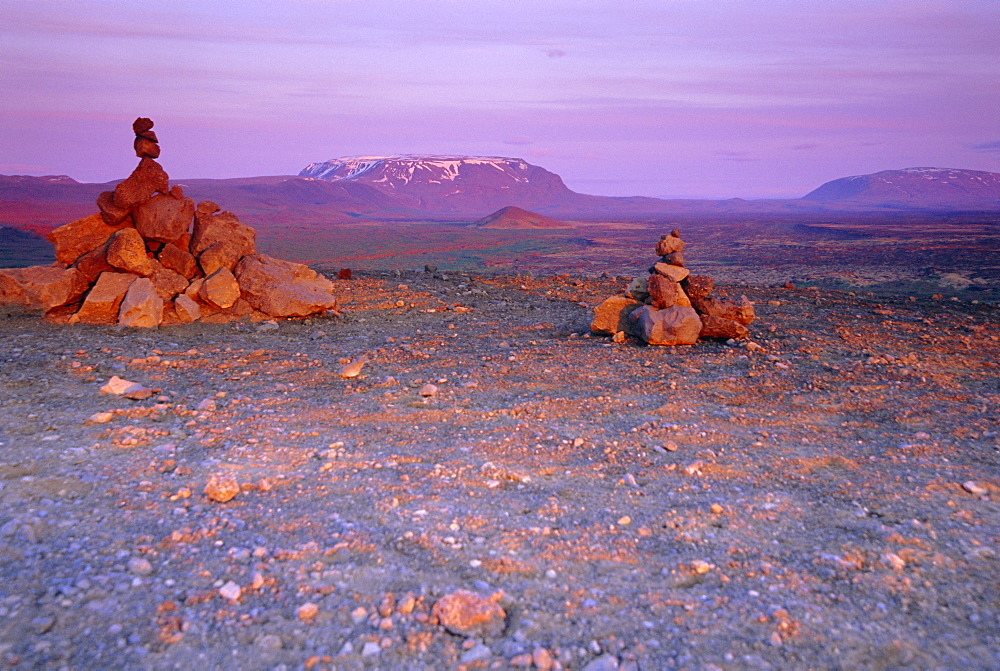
x,y
914,188
448,184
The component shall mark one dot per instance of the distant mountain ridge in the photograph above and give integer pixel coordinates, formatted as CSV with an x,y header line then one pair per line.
x,y
467,188
914,188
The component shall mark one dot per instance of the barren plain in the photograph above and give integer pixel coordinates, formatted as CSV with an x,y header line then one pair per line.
x,y
827,502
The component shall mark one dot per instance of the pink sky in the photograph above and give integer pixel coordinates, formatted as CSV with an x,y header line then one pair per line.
x,y
672,98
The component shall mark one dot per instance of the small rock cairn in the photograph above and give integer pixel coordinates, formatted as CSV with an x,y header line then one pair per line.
x,y
151,257
671,306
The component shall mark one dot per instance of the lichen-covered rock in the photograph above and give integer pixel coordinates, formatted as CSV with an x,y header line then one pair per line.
x,y
638,289
220,289
665,292
40,288
148,178
675,325
611,316
466,613
76,238
720,327
163,218
173,257
698,286
141,307
127,251
282,288
104,299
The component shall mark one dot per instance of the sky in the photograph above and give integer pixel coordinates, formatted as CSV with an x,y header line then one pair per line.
x,y
674,98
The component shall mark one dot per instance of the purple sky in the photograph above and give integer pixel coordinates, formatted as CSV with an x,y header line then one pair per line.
x,y
718,99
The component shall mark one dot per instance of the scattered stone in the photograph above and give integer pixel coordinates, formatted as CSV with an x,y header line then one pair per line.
x,y
371,649
140,566
973,487
476,653
222,487
231,591
468,614
118,386
268,642
428,390
353,369
99,418
605,662
307,611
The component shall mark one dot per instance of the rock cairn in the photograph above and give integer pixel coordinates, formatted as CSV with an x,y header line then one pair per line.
x,y
151,257
670,306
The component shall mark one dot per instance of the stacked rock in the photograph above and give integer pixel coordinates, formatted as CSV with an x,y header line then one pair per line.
x,y
670,306
151,257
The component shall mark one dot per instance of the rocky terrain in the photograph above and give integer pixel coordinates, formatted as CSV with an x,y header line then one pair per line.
x,y
455,474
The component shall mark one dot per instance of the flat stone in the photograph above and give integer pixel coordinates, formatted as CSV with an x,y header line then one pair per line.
x,y
220,289
674,273
104,299
282,288
141,307
148,178
611,316
127,251
675,325
163,218
76,238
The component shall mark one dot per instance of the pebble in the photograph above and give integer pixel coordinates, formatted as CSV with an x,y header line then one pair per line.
x,y
476,653
140,566
268,642
602,663
99,418
974,487
206,405
230,591
118,386
542,659
428,390
221,487
370,649
307,611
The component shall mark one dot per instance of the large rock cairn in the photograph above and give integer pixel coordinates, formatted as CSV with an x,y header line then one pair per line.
x,y
151,257
671,306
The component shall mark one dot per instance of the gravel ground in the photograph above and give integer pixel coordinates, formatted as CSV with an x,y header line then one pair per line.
x,y
827,502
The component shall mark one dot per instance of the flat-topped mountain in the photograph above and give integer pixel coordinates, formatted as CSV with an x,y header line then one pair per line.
x,y
914,188
448,184
514,217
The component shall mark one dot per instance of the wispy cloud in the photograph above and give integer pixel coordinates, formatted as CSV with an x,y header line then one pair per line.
x,y
987,147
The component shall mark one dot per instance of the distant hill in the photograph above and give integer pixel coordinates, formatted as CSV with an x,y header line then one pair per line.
x,y
514,217
914,188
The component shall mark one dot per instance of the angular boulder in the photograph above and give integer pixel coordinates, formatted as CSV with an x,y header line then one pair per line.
x,y
698,286
127,251
218,255
720,327
148,178
638,289
224,228
611,316
110,213
187,310
675,325
163,218
665,292
742,312
167,283
173,257
282,288
76,238
141,307
104,299
220,289
40,288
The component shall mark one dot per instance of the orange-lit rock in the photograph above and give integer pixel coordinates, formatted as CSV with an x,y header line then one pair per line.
x,y
104,299
173,257
665,292
675,325
225,228
41,287
220,289
141,307
127,251
186,309
163,218
466,613
76,238
611,316
283,289
147,179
